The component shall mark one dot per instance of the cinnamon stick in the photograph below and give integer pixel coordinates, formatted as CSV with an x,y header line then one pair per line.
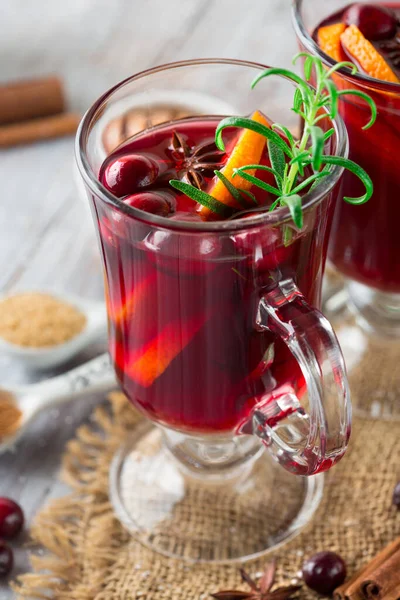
x,y
38,129
383,580
24,100
378,579
136,120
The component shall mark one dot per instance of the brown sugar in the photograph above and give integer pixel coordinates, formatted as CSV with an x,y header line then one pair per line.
x,y
37,320
10,415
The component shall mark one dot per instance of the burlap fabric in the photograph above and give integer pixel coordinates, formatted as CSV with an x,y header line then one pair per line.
x,y
89,556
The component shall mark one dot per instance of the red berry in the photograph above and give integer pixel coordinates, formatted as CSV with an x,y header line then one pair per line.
x,y
374,22
6,559
151,202
324,572
193,253
264,249
11,518
124,175
261,240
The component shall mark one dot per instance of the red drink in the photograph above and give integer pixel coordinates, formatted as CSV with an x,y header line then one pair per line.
x,y
365,240
182,304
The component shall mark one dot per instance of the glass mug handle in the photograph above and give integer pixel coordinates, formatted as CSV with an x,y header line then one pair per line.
x,y
303,441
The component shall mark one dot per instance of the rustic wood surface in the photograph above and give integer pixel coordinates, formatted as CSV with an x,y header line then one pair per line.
x,y
46,237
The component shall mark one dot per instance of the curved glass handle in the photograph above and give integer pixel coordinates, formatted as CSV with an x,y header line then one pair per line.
x,y
306,434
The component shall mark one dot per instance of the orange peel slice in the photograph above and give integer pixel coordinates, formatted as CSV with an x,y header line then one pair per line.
x,y
247,150
138,298
367,57
329,40
156,356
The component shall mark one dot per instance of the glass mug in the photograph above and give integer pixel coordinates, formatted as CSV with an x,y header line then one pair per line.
x,y
215,334
365,243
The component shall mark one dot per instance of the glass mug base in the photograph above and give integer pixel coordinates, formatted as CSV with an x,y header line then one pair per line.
x,y
367,324
176,507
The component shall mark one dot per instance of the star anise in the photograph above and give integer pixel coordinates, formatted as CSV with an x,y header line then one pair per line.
x,y
263,591
194,163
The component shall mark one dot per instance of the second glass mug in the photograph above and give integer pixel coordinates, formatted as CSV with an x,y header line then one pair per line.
x,y
365,242
215,334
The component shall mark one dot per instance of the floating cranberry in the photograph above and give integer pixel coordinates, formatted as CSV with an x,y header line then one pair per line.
x,y
374,22
127,174
265,250
11,518
396,496
324,572
6,559
192,253
155,203
261,240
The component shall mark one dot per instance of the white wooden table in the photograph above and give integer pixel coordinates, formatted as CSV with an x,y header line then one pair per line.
x,y
46,238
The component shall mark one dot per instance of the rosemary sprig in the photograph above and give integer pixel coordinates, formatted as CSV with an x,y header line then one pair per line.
x,y
291,159
203,198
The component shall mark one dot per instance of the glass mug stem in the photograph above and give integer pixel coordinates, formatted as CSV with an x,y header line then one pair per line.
x,y
307,443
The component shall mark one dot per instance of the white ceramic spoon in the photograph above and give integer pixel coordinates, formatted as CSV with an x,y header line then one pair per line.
x,y
97,375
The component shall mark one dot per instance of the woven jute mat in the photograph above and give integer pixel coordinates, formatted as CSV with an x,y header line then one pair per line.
x,y
85,554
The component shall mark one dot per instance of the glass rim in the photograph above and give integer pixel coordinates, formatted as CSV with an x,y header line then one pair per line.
x,y
276,217
311,46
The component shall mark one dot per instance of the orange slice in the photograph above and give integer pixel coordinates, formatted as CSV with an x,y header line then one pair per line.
x,y
366,56
155,357
133,303
247,150
329,40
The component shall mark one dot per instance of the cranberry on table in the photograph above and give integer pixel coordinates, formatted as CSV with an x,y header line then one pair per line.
x,y
11,518
126,174
154,203
396,496
324,572
6,559
375,22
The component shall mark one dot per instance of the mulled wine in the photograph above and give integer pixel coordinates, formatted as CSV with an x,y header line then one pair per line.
x,y
182,304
